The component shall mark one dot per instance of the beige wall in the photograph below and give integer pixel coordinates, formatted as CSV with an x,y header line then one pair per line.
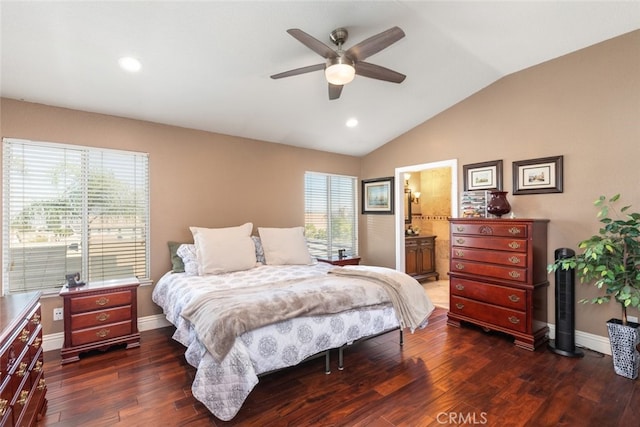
x,y
585,106
197,178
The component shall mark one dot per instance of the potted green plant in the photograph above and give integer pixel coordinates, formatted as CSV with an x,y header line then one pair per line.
x,y
610,260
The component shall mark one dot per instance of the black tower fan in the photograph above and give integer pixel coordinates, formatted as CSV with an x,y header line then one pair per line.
x,y
565,342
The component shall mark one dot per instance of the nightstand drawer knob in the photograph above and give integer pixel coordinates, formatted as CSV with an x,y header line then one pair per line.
x,y
459,253
514,320
514,230
460,228
41,384
459,266
102,333
460,287
514,260
24,394
37,342
514,245
22,369
38,367
102,301
459,241
514,274
35,319
459,306
102,317
24,335
514,298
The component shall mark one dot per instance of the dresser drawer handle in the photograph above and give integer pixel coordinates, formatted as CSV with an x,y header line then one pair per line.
x,y
102,301
102,317
4,404
460,228
38,367
459,306
485,229
460,287
459,253
102,333
24,335
36,342
41,384
514,230
459,266
514,260
22,369
459,241
514,320
24,394
514,245
35,319
514,274
514,298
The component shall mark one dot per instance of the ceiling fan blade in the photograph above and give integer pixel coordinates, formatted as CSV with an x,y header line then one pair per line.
x,y
375,44
335,91
373,71
297,71
312,43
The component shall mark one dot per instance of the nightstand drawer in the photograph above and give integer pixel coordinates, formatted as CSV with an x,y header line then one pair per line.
x,y
100,333
100,317
98,302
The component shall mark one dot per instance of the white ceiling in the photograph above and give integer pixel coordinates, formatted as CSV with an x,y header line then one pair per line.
x,y
206,64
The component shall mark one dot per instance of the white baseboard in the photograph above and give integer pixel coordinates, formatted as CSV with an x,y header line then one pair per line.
x,y
586,340
583,339
55,341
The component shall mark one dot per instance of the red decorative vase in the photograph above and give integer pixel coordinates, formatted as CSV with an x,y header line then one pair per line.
x,y
498,204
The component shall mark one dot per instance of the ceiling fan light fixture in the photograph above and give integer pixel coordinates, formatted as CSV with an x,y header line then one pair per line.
x,y
340,71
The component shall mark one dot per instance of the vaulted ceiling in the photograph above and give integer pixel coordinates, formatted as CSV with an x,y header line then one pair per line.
x,y
207,64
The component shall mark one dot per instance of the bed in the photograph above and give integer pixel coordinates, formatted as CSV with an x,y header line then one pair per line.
x,y
238,325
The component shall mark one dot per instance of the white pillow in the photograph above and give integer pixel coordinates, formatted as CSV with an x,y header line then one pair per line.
x,y
222,250
187,252
284,246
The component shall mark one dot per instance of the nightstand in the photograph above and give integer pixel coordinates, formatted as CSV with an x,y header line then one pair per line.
x,y
99,315
350,260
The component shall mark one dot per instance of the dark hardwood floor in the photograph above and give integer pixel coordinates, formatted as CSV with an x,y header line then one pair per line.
x,y
442,376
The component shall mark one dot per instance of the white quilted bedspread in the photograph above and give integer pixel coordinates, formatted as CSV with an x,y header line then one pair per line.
x,y
223,387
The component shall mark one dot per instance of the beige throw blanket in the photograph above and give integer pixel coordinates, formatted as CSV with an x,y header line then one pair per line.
x,y
408,297
220,316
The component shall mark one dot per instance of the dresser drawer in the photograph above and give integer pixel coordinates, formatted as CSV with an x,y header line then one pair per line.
x,y
498,243
493,294
489,270
100,317
516,259
97,302
499,316
100,333
504,230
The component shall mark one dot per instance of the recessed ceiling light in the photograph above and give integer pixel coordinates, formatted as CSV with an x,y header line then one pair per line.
x,y
351,123
130,64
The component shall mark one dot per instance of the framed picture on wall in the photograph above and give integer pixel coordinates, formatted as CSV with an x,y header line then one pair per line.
x,y
377,196
483,176
538,176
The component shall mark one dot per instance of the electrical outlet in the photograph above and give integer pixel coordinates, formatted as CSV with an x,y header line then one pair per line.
x,y
57,313
633,319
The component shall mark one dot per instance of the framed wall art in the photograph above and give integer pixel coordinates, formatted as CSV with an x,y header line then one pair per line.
x,y
538,176
483,176
377,196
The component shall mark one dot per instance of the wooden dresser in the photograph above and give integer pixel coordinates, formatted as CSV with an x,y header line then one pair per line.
x,y
498,277
420,257
99,315
22,387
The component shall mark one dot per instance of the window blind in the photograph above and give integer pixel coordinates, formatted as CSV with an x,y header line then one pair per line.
x,y
69,209
331,221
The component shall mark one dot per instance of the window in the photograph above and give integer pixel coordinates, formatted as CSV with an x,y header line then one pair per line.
x,y
331,221
69,209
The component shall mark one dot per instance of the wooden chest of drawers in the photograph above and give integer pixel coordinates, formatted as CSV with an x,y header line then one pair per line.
x,y
498,277
22,384
99,315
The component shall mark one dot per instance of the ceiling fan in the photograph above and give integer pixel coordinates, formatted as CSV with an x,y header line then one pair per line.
x,y
341,66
